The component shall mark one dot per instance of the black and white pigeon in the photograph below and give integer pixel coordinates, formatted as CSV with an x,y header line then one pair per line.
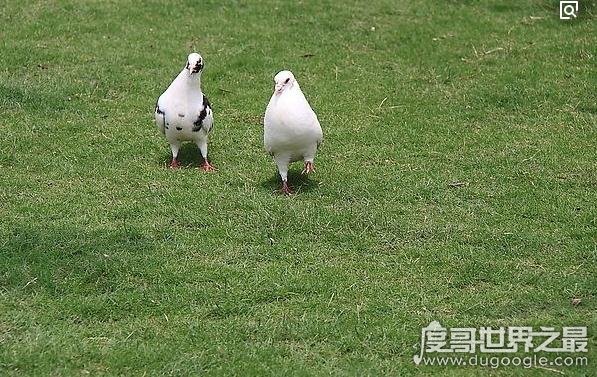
x,y
291,128
183,112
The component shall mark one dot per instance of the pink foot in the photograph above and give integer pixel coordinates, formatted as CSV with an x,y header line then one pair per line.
x,y
285,189
309,168
174,164
206,166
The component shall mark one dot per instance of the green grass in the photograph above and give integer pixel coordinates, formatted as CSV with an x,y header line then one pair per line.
x,y
112,264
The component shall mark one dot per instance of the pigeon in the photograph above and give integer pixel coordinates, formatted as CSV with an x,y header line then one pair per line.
x,y
291,128
183,112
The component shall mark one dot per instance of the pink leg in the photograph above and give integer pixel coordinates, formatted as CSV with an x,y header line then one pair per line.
x,y
285,189
174,164
309,168
206,166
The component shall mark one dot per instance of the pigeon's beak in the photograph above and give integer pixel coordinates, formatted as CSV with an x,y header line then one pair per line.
x,y
278,88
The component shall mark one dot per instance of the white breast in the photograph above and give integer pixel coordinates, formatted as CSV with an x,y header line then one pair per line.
x,y
290,125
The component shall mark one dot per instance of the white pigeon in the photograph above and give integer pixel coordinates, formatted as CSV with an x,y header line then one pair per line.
x,y
291,129
183,112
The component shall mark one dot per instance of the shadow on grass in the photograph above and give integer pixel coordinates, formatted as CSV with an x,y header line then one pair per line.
x,y
188,156
298,182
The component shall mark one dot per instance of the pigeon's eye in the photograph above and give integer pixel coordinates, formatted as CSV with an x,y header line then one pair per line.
x,y
287,81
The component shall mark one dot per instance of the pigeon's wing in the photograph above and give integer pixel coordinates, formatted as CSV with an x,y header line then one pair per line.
x,y
270,123
320,134
209,116
310,118
160,117
205,119
306,119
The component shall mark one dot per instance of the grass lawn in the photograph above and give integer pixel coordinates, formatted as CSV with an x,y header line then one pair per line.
x,y
457,182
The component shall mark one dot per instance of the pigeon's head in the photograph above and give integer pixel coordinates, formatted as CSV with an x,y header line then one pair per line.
x,y
284,80
194,64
